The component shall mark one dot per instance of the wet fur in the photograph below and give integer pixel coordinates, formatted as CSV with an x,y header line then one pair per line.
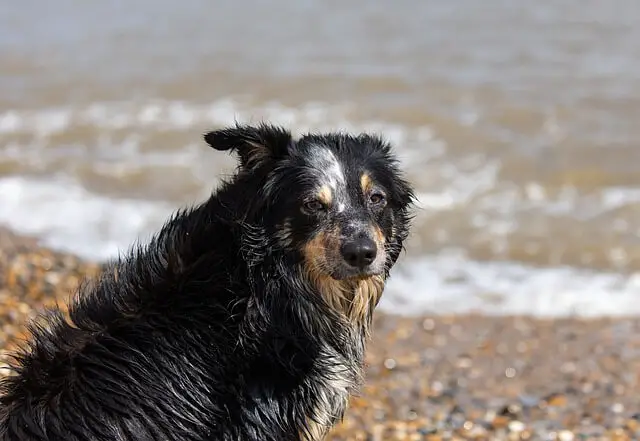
x,y
219,328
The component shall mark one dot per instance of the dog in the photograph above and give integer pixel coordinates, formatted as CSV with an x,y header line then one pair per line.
x,y
244,318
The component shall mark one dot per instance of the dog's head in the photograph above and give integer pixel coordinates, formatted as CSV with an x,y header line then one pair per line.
x,y
339,202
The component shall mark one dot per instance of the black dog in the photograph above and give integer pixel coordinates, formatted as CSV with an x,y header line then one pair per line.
x,y
245,318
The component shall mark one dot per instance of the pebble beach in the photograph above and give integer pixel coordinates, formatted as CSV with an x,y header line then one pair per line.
x,y
515,314
429,377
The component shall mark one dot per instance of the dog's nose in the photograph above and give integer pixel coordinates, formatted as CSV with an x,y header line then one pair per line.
x,y
360,252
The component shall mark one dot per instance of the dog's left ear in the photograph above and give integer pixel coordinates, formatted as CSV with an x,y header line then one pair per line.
x,y
253,144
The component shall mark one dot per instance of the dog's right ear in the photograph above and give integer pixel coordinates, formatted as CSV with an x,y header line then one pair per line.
x,y
254,144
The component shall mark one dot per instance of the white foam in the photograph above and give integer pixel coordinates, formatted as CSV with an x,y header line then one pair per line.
x,y
451,283
120,128
179,115
68,217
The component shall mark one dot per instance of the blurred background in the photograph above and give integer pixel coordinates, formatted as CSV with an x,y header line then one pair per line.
x,y
516,121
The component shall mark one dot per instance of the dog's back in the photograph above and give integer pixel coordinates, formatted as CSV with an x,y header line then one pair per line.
x,y
144,351
244,318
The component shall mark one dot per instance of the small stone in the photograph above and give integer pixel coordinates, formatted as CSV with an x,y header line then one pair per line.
x,y
565,435
490,416
437,386
476,432
617,435
390,363
617,408
500,422
429,431
23,308
516,426
557,400
428,324
464,362
633,424
528,401
514,409
53,278
526,435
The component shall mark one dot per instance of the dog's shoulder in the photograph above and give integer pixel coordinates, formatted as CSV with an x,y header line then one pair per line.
x,y
143,319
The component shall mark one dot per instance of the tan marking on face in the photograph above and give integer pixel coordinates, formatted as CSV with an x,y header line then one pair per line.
x,y
324,195
366,183
378,236
316,251
318,268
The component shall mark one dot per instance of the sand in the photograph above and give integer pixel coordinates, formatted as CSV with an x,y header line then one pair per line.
x,y
428,378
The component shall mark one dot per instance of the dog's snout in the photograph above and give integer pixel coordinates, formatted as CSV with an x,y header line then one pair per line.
x,y
360,252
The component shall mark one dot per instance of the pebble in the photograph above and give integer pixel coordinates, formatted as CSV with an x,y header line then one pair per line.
x,y
516,426
565,435
390,363
510,372
617,408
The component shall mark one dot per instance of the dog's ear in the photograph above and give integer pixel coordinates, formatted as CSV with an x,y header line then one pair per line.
x,y
254,144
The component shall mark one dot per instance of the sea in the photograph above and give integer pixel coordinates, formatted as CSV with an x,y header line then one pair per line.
x,y
518,123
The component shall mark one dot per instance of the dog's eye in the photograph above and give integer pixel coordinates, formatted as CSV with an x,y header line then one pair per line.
x,y
313,206
377,199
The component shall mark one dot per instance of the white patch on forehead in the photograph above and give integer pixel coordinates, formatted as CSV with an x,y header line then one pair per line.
x,y
328,165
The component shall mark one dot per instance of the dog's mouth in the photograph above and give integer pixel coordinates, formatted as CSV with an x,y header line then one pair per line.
x,y
348,275
338,270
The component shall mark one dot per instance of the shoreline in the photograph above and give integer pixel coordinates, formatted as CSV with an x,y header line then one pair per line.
x,y
430,377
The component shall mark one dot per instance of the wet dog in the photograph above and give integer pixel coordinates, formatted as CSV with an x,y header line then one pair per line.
x,y
244,318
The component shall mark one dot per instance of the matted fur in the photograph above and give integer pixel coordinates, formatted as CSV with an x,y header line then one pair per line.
x,y
237,321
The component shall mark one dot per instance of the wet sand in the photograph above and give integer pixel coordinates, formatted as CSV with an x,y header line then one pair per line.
x,y
428,378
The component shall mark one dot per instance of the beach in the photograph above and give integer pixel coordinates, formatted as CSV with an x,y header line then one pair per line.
x,y
514,312
428,377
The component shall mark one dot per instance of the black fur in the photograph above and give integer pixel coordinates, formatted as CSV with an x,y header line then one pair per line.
x,y
211,331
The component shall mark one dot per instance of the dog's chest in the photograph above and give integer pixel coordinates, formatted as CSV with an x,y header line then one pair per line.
x,y
338,377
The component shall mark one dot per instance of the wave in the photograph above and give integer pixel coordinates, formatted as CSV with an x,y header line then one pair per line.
x,y
57,207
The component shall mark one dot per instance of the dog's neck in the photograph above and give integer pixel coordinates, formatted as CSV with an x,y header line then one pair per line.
x,y
352,303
